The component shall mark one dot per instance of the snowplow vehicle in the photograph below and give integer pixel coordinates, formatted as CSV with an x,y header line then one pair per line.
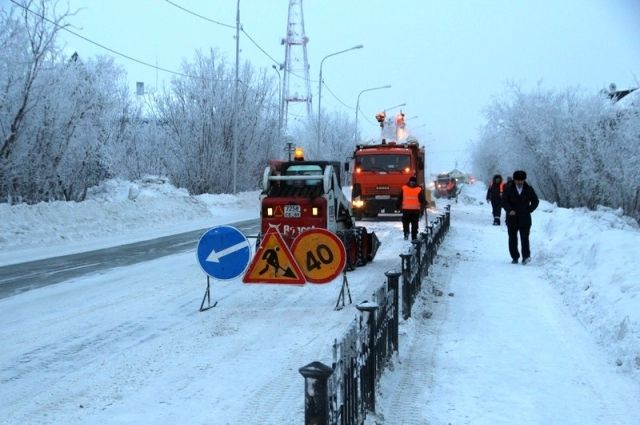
x,y
379,172
445,186
300,195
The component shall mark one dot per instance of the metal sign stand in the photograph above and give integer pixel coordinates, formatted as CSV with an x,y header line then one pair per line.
x,y
207,296
341,297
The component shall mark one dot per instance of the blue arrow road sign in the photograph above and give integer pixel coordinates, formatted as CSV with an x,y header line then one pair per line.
x,y
223,252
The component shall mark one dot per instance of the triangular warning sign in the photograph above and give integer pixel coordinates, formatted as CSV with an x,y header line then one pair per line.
x,y
274,263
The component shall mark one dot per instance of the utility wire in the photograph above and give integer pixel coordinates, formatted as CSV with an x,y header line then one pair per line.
x,y
102,46
200,16
258,46
366,117
255,43
336,97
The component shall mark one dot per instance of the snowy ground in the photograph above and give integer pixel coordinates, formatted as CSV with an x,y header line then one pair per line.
x,y
556,341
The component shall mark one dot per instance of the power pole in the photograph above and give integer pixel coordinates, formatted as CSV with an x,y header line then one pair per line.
x,y
234,116
297,90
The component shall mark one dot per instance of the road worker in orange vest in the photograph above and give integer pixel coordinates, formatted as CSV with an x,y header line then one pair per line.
x,y
412,203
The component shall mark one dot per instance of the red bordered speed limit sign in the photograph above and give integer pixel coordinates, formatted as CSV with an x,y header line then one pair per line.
x,y
320,255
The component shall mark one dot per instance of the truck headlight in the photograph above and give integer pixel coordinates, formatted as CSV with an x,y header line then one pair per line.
x,y
357,203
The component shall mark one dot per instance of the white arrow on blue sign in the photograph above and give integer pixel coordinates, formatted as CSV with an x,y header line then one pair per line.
x,y
223,252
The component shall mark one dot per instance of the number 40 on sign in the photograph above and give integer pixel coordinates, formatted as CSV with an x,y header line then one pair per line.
x,y
320,255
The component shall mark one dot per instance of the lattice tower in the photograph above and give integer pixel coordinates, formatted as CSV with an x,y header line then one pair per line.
x,y
297,86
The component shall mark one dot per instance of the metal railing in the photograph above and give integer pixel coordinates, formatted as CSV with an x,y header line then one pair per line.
x,y
344,392
415,263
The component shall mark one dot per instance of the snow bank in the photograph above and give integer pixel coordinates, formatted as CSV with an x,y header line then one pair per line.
x,y
115,212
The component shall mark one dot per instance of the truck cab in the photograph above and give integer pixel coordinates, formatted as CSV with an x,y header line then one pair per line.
x,y
378,173
304,195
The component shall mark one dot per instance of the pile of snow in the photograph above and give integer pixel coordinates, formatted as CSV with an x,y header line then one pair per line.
x,y
591,256
115,212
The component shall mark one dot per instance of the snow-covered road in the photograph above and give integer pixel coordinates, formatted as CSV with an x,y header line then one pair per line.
x,y
488,343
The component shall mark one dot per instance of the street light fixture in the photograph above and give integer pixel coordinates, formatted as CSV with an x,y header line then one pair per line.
x,y
359,46
355,135
394,107
279,99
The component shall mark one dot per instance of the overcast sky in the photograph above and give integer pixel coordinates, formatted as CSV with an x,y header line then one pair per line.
x,y
445,59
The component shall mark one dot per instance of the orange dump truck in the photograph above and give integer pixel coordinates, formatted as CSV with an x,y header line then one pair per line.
x,y
378,173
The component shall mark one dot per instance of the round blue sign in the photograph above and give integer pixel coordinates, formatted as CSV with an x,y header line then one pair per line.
x,y
223,252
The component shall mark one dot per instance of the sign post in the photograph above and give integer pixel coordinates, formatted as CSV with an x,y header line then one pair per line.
x,y
223,253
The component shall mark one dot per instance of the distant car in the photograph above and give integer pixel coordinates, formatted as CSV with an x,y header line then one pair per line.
x,y
445,186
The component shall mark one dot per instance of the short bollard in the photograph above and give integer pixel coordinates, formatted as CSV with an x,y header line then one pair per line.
x,y
393,284
316,398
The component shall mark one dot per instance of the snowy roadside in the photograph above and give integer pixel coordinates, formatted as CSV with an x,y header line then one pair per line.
x,y
115,213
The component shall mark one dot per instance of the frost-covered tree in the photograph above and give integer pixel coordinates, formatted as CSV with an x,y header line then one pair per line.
x,y
202,121
27,42
337,137
61,118
578,150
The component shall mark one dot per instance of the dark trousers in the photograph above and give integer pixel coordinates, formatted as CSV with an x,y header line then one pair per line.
x,y
524,241
496,206
410,218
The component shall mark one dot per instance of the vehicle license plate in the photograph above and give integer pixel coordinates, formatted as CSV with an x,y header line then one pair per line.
x,y
292,210
383,196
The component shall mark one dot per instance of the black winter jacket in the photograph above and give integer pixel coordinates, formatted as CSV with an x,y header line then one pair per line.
x,y
523,204
494,192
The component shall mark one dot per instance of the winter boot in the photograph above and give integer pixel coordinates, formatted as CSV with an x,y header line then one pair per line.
x,y
496,221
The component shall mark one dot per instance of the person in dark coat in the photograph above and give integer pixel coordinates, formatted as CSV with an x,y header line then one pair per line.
x,y
519,200
412,202
494,195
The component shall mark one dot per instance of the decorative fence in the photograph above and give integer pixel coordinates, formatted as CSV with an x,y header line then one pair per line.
x,y
344,392
415,264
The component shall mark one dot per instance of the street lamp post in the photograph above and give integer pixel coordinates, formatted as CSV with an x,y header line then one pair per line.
x,y
355,135
279,99
359,46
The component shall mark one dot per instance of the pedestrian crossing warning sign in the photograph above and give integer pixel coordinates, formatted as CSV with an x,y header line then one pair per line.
x,y
274,263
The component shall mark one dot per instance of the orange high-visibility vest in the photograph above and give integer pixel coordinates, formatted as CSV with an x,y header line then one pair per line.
x,y
410,199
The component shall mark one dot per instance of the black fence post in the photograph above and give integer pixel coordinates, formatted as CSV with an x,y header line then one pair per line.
x,y
393,285
406,285
316,398
369,393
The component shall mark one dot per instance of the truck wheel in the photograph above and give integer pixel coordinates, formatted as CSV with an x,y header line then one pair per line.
x,y
349,242
362,244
